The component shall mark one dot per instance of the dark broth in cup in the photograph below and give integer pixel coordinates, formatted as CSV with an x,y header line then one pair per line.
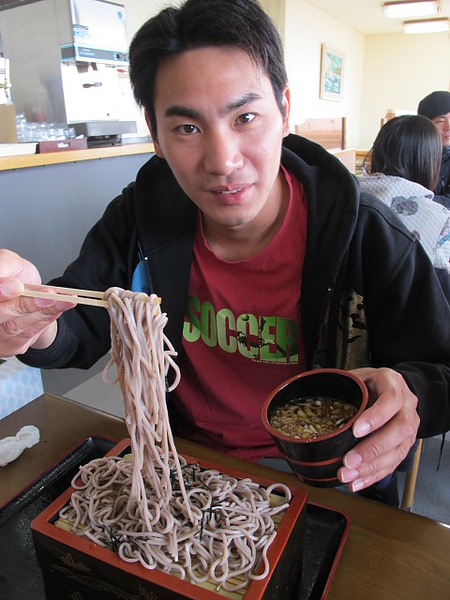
x,y
308,418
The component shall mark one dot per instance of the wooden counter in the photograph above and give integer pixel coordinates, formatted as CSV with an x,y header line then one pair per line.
x,y
389,554
53,158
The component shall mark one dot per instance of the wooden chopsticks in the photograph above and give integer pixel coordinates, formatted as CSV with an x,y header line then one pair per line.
x,y
76,296
90,297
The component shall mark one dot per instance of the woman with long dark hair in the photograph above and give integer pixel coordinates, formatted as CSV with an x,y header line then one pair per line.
x,y
403,167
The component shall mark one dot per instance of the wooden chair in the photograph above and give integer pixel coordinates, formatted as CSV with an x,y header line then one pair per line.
x,y
390,114
329,133
410,481
347,157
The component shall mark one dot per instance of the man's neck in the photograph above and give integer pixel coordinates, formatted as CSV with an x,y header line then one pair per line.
x,y
242,242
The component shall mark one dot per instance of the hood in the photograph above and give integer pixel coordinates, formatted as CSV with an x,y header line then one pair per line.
x,y
333,202
331,190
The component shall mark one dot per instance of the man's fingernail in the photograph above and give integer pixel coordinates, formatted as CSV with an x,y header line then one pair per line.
x,y
348,475
362,429
357,485
352,460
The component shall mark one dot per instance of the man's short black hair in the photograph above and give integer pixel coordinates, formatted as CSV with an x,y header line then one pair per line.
x,y
240,24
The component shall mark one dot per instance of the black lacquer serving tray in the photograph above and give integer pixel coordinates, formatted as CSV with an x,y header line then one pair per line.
x,y
20,575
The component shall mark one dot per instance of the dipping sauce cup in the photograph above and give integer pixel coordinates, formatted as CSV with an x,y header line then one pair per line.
x,y
316,460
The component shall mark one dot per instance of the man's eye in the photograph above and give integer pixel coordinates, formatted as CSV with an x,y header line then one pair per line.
x,y
187,129
246,118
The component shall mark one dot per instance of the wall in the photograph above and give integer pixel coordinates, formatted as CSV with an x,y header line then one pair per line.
x,y
381,71
399,70
306,28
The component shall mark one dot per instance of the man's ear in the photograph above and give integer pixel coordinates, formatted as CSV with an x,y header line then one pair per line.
x,y
286,103
158,150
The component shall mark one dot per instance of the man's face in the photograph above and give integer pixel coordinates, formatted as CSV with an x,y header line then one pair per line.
x,y
220,129
443,124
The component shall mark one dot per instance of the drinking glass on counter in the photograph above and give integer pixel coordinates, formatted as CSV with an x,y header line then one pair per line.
x,y
41,132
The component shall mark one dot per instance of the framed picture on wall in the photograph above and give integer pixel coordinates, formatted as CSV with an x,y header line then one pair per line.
x,y
331,73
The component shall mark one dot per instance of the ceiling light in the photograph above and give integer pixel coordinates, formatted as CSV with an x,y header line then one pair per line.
x,y
409,10
426,26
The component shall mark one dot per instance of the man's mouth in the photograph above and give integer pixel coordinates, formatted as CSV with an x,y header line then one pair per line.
x,y
231,195
235,191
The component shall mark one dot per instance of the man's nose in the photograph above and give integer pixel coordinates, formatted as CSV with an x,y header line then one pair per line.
x,y
222,153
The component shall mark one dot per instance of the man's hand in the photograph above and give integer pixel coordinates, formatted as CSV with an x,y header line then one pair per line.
x,y
388,429
24,322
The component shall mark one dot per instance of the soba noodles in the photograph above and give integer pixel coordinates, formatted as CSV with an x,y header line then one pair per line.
x,y
154,508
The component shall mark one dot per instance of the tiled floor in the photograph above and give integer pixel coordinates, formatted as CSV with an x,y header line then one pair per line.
x,y
432,495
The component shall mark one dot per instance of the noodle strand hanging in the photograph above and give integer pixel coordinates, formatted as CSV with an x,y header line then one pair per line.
x,y
153,507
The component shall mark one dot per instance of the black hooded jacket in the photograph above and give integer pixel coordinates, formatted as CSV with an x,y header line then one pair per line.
x,y
442,191
369,295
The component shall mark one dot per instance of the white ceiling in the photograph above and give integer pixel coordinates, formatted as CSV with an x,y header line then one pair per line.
x,y
366,16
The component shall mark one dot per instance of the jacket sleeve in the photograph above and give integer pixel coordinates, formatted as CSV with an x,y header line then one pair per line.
x,y
105,260
408,315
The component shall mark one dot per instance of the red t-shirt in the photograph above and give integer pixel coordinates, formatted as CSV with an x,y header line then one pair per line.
x,y
242,337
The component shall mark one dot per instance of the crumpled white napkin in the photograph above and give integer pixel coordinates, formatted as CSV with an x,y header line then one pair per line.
x,y
13,446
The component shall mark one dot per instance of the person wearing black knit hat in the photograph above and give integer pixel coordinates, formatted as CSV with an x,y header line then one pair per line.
x,y
436,106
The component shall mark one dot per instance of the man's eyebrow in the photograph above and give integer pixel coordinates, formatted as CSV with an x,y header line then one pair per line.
x,y
178,110
240,102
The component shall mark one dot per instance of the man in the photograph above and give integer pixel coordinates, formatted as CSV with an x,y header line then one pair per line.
x,y
436,106
265,268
